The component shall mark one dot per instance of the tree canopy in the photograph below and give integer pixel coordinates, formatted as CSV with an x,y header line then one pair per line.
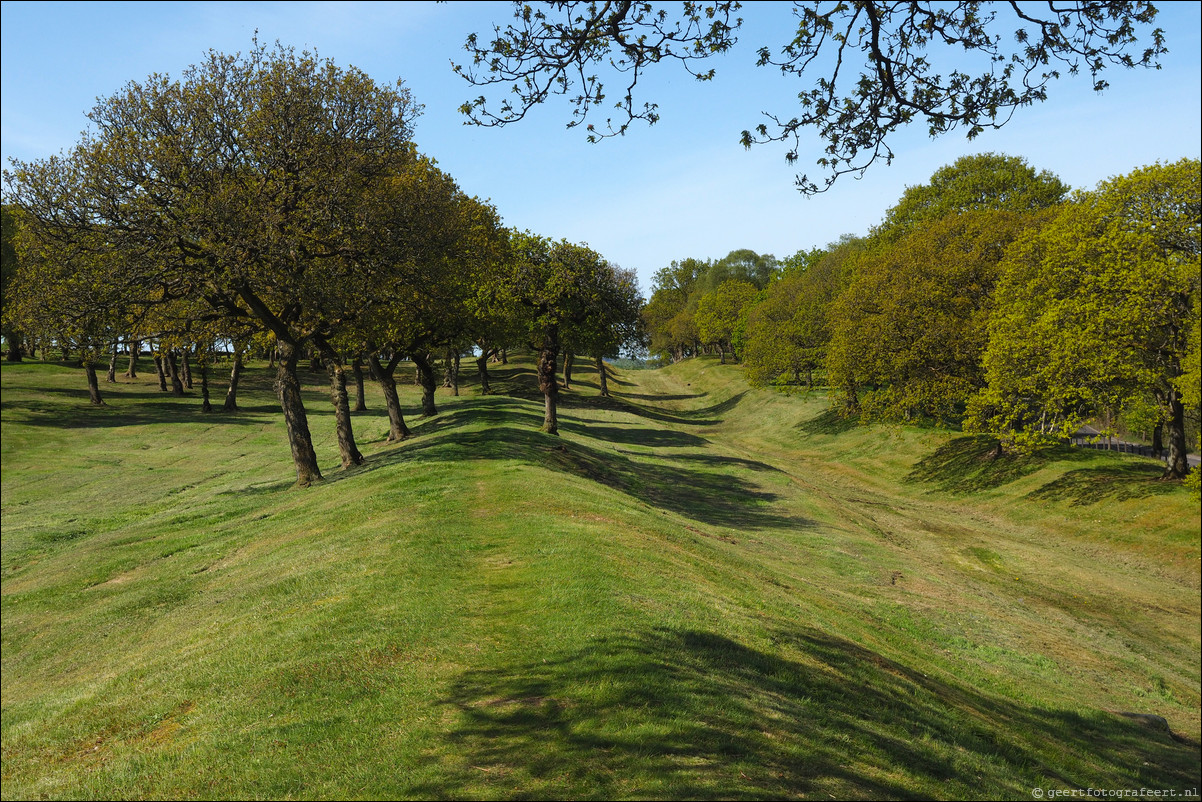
x,y
965,65
1097,308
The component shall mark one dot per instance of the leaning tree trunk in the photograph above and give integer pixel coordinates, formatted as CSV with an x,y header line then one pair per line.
x,y
93,384
185,370
177,386
231,395
1177,465
425,377
360,396
111,378
601,372
385,375
569,359
342,407
547,357
160,371
289,389
131,372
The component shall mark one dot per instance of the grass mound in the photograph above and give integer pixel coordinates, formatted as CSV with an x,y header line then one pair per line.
x,y
697,591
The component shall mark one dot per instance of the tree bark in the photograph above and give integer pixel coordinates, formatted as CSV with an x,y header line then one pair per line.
x,y
231,395
1158,438
177,386
288,388
451,375
360,396
569,359
602,373
162,374
15,352
93,384
185,370
385,375
547,357
1177,465
111,378
131,372
342,407
205,404
425,377
482,370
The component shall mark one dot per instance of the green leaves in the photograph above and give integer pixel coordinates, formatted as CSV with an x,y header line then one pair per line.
x,y
1098,307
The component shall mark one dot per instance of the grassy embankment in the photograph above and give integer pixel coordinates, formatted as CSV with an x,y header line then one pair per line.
x,y
697,591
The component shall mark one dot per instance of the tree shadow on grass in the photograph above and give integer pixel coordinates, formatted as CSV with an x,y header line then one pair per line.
x,y
670,714
966,465
1108,483
664,396
641,436
58,415
620,404
711,497
830,422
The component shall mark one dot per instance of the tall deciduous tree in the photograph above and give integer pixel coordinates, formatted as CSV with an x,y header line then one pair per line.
x,y
246,183
788,332
551,286
13,337
971,183
912,323
722,315
947,66
1097,308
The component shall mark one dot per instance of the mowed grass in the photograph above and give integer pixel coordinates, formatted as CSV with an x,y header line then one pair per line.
x,y
697,591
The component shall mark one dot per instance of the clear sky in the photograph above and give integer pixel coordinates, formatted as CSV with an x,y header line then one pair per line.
x,y
682,188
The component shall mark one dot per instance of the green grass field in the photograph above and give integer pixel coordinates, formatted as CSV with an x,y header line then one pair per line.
x,y
698,591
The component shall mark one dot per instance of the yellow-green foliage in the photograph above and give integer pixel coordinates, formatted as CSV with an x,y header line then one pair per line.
x,y
1094,309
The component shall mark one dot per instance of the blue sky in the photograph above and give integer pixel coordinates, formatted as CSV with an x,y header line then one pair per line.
x,y
682,188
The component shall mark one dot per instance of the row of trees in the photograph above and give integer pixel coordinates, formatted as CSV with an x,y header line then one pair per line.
x,y
990,297
275,195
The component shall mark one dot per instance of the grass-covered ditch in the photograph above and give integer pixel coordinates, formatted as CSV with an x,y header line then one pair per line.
x,y
697,591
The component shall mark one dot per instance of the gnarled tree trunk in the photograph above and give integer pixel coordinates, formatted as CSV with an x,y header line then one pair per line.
x,y
185,370
602,372
342,407
289,389
548,354
231,395
93,384
177,386
203,365
360,396
1177,464
131,372
482,369
425,377
160,371
385,375
569,359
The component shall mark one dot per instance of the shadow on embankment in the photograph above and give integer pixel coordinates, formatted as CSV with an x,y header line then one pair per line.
x,y
694,715
702,487
965,465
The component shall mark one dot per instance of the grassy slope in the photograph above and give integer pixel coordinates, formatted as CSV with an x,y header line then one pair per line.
x,y
698,591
